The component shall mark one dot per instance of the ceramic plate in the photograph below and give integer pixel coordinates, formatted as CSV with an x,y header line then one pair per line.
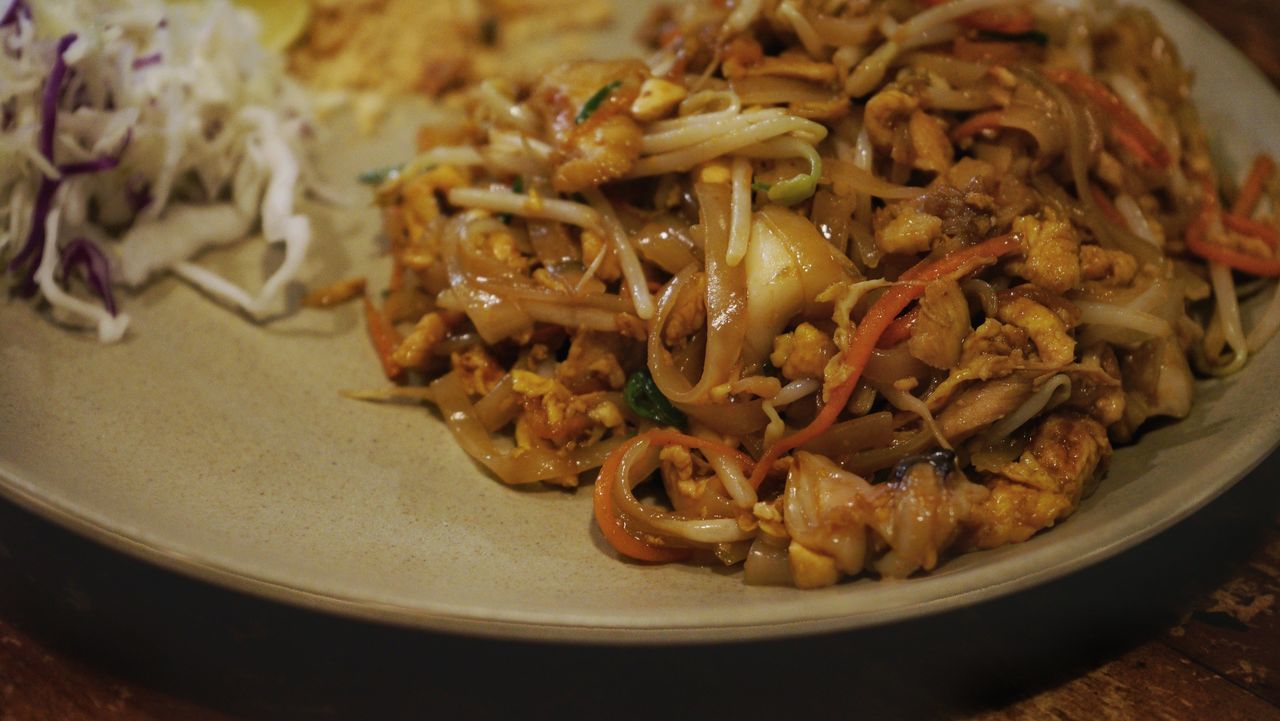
x,y
222,449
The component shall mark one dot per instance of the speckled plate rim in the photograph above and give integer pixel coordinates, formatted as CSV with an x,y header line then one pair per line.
x,y
1006,575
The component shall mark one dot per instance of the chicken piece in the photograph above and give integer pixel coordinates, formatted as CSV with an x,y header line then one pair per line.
x,y
593,363
593,244
909,230
803,353
930,146
478,370
941,326
979,406
605,151
885,112
1066,455
1095,385
1024,308
596,145
1109,268
992,350
1157,382
1053,255
690,314
910,520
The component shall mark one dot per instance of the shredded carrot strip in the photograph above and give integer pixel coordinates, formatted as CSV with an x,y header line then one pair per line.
x,y
1198,243
385,339
1127,129
873,326
900,329
1254,228
1243,262
1108,208
989,120
602,497
1251,192
1130,141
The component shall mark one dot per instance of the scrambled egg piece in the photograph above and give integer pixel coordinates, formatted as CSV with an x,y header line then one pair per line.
x,y
1110,268
477,369
992,350
1053,256
1066,455
803,353
657,99
1048,330
810,569
909,230
415,350
551,412
592,364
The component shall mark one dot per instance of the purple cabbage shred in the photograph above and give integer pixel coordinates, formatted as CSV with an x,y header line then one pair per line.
x,y
97,165
34,247
147,61
82,253
10,15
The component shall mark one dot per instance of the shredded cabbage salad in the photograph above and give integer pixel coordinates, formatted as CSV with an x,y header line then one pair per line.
x,y
133,135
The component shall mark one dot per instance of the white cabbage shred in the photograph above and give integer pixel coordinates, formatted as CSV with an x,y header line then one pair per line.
x,y
213,136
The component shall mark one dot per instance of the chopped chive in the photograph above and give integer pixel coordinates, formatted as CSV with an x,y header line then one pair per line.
x,y
378,176
761,187
595,101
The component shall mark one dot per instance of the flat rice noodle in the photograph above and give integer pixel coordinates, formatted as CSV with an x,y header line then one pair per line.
x,y
726,305
832,215
690,529
858,434
890,365
864,463
735,418
770,90
532,464
845,178
955,71
788,265
500,406
668,245
551,243
494,318
842,32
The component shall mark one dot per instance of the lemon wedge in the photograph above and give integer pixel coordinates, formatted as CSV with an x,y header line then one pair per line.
x,y
282,20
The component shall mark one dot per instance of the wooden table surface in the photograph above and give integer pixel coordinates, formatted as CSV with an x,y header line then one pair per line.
x,y
1182,627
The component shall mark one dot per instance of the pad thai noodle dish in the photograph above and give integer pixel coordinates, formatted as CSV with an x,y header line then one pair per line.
x,y
825,287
